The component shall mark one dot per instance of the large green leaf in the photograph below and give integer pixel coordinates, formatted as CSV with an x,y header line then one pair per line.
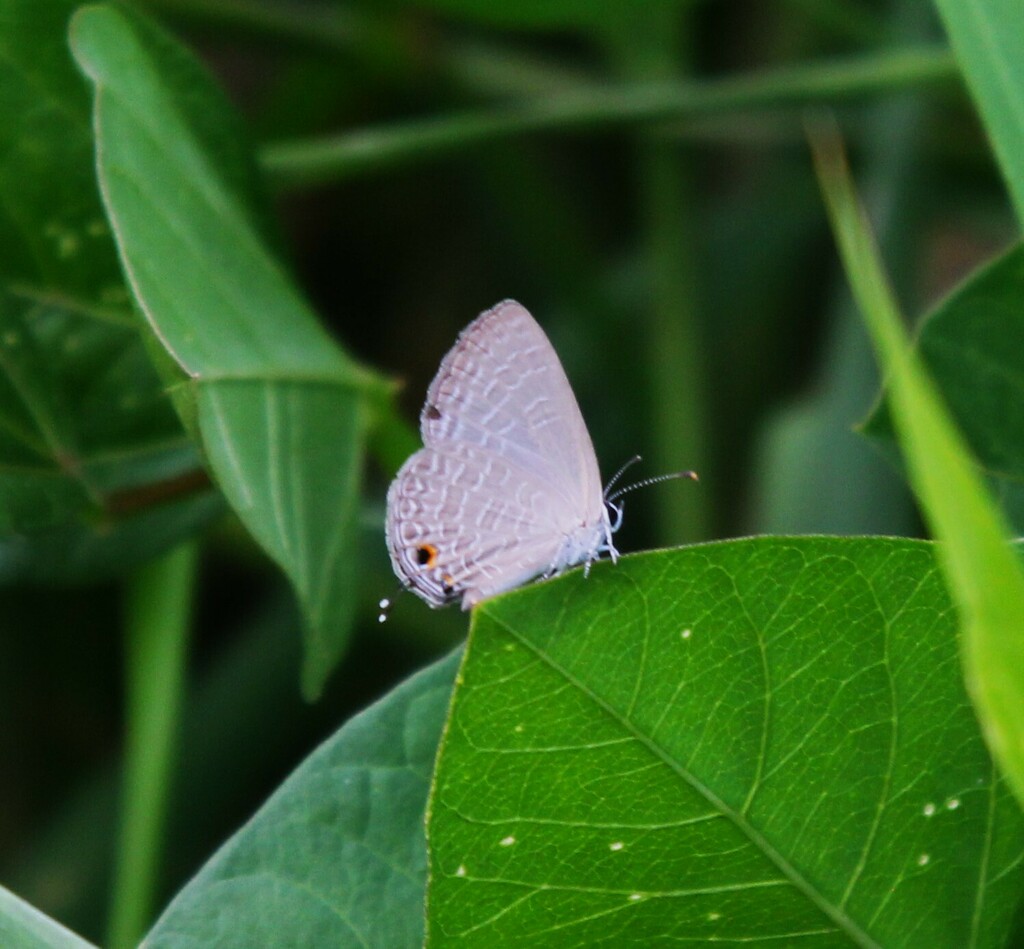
x,y
337,856
281,410
988,39
92,457
23,927
983,571
972,345
763,741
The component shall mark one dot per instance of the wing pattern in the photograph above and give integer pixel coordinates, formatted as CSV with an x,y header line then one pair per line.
x,y
507,485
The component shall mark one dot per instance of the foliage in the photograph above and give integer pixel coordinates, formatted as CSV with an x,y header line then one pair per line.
x,y
758,740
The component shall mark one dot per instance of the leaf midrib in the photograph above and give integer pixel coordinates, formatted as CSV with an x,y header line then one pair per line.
x,y
841,919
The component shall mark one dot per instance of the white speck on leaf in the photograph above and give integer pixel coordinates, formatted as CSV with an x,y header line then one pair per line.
x,y
507,841
635,896
952,804
461,872
686,633
923,860
617,845
929,810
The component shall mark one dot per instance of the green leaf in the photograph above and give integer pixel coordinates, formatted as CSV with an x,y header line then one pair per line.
x,y
337,856
52,227
90,447
744,741
988,39
282,412
983,571
972,345
23,927
279,446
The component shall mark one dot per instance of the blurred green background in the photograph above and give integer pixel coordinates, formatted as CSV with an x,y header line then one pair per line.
x,y
684,272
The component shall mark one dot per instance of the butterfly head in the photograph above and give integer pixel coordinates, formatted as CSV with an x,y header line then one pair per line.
x,y
614,506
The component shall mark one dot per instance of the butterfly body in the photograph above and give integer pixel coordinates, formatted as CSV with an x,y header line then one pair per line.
x,y
507,486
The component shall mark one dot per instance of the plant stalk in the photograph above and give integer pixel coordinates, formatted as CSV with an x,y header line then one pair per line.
x,y
309,161
158,606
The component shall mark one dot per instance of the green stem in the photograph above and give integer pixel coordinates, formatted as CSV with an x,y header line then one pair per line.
x,y
849,21
369,150
657,46
333,27
378,39
157,610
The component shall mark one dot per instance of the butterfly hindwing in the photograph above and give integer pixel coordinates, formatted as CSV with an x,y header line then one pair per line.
x,y
464,524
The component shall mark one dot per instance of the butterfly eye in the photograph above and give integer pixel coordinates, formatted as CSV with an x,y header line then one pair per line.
x,y
426,555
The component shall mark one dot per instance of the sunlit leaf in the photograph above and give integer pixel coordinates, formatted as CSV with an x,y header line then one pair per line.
x,y
764,740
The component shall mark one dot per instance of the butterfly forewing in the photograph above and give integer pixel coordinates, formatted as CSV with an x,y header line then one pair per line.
x,y
502,387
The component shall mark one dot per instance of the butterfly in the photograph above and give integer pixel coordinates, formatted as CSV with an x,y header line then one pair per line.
x,y
506,487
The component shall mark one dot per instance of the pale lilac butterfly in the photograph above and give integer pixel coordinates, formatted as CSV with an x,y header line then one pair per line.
x,y
506,487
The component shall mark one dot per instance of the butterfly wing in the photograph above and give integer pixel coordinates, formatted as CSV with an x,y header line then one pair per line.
x,y
501,387
465,524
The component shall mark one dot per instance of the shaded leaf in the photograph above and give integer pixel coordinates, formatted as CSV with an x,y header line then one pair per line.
x,y
23,927
764,739
281,410
52,228
337,856
95,472
972,345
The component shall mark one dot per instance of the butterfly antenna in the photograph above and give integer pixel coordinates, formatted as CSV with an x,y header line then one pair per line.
x,y
618,474
691,475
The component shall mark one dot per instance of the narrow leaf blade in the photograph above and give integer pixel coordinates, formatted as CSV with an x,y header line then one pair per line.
x,y
983,572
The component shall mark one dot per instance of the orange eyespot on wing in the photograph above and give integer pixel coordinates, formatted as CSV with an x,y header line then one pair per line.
x,y
426,555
